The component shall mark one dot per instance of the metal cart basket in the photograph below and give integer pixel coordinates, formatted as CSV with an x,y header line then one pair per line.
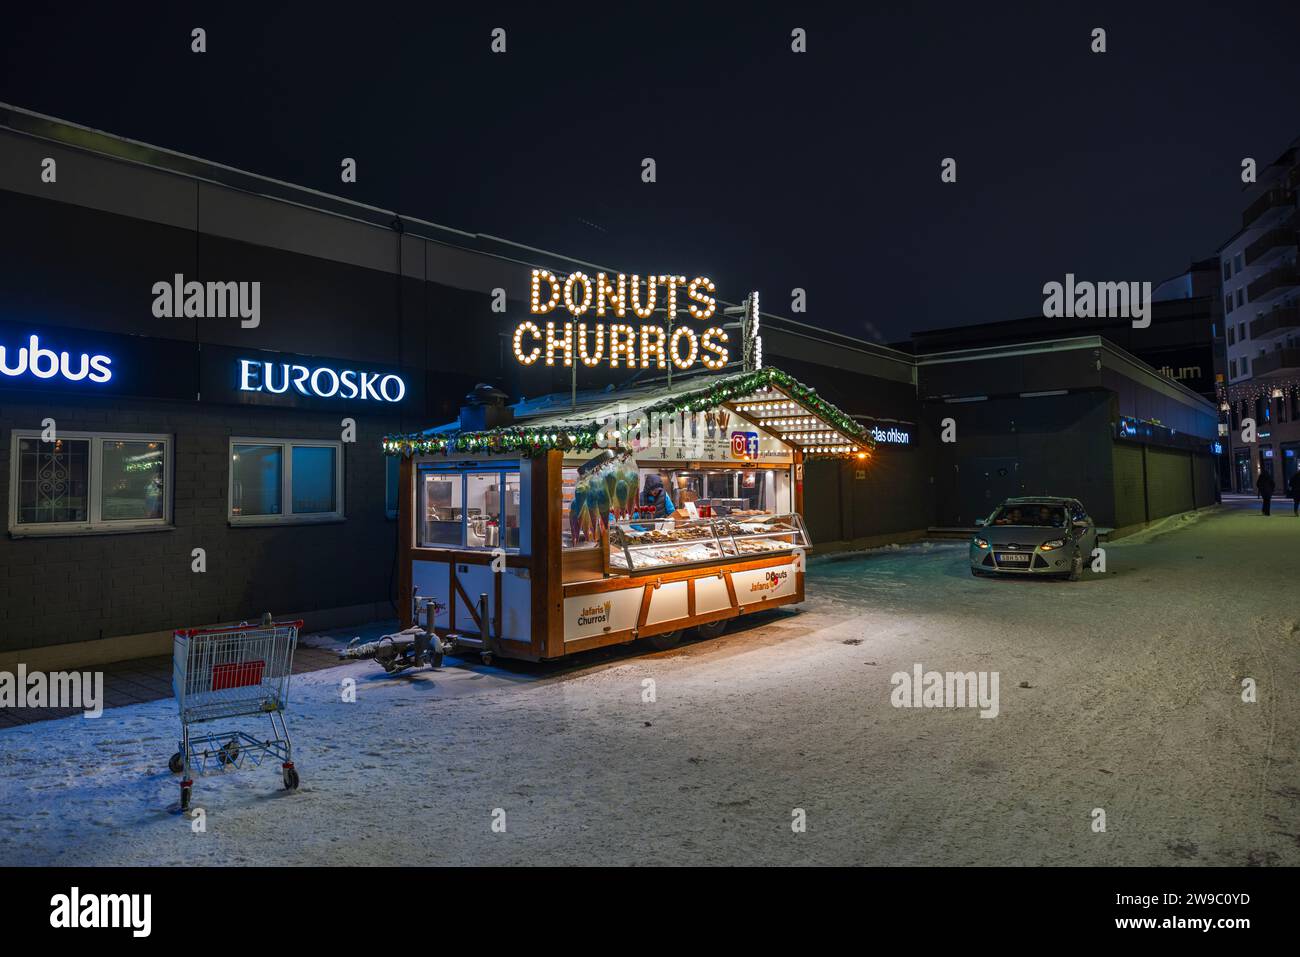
x,y
223,673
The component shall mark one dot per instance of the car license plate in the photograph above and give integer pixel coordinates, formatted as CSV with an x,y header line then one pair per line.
x,y
1010,558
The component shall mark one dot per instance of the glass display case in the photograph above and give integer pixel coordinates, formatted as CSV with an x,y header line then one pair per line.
x,y
641,545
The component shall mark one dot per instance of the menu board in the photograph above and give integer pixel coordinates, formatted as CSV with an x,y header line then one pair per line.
x,y
716,435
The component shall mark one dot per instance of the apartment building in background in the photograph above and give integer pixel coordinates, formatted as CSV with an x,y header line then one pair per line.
x,y
1260,290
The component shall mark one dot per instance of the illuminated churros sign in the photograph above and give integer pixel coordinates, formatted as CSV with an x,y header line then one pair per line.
x,y
582,304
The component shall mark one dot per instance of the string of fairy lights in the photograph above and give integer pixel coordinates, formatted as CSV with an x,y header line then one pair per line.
x,y
840,437
1243,396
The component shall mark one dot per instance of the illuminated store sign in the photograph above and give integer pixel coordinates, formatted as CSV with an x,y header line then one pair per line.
x,y
34,359
891,435
620,343
322,381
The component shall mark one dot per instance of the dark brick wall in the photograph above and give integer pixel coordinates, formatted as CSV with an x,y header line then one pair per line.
x,y
86,587
1051,445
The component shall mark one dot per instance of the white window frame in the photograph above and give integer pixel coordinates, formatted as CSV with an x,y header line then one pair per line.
x,y
287,516
464,473
95,524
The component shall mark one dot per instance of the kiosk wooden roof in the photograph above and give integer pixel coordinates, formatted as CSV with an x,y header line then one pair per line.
x,y
773,400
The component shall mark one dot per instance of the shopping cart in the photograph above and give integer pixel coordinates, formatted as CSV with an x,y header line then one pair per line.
x,y
220,673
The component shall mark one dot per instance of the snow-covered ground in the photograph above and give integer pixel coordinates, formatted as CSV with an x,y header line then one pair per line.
x,y
1121,692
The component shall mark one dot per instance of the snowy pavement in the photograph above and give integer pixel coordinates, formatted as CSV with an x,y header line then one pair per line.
x,y
1121,693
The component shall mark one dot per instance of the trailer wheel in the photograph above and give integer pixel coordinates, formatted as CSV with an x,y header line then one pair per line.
x,y
711,629
176,763
664,640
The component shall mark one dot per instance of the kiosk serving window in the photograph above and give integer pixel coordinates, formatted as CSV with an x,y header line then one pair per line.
x,y
730,491
87,482
469,508
283,481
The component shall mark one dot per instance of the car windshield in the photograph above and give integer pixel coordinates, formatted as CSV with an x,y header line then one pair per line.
x,y
1035,516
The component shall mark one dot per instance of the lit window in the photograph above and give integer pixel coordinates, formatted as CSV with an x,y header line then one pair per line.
x,y
471,509
88,482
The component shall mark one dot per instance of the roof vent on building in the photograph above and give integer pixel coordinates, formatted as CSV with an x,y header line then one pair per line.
x,y
485,408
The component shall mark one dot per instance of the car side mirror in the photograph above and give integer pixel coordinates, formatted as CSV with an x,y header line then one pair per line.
x,y
1080,525
981,521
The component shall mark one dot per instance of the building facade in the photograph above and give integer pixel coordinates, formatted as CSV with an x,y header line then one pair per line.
x,y
199,365
1260,290
1076,417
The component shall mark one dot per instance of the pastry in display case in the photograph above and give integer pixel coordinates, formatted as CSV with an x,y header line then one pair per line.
x,y
640,545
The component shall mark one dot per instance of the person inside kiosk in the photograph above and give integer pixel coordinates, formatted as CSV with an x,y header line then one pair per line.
x,y
655,495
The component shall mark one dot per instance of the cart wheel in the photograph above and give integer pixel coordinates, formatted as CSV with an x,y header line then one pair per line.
x,y
486,657
229,752
435,660
711,629
187,788
176,763
291,779
665,640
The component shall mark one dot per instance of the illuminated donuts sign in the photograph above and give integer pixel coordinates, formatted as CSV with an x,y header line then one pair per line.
x,y
634,346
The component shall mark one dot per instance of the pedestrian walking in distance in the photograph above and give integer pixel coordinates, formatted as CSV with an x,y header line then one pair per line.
x,y
1294,489
1266,485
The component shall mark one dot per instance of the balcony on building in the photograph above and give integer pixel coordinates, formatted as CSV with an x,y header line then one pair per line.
x,y
1270,208
1274,245
1275,283
1279,322
1279,362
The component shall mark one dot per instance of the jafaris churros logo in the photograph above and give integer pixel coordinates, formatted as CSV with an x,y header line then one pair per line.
x,y
595,614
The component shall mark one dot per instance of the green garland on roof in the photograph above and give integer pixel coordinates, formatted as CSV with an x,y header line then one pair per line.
x,y
514,440
536,440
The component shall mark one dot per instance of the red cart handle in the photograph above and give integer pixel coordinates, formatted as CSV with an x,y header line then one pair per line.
x,y
242,626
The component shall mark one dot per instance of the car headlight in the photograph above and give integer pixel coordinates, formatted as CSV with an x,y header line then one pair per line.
x,y
1054,543
979,542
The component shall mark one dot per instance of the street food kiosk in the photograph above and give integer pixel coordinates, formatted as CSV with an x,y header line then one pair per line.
x,y
578,521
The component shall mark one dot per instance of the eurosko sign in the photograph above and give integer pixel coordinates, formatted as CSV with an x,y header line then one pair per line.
x,y
322,381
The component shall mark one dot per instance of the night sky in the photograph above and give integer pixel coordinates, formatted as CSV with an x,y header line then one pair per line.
x,y
775,170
